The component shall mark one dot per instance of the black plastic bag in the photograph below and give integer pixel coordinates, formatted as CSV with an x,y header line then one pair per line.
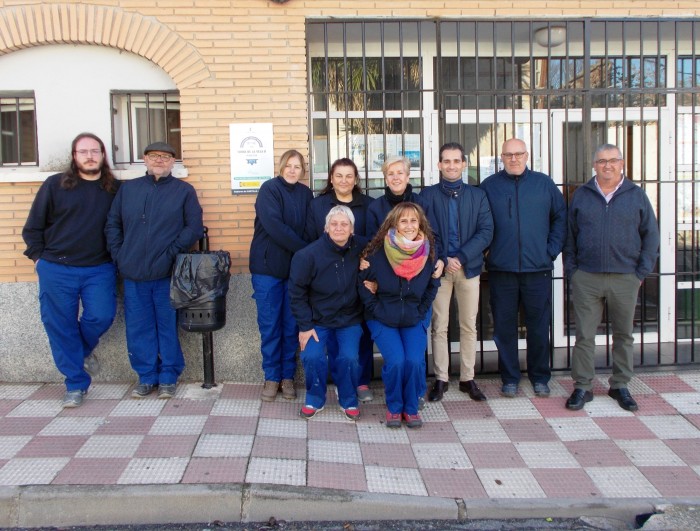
x,y
199,277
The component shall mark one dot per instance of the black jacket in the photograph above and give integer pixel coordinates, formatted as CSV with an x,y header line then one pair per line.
x,y
323,284
150,222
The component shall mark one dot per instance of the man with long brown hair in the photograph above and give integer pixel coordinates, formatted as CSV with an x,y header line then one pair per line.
x,y
64,234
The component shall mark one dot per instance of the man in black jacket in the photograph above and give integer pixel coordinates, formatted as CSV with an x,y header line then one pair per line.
x,y
65,237
152,219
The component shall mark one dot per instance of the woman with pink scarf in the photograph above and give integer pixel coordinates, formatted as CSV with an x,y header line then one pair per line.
x,y
402,269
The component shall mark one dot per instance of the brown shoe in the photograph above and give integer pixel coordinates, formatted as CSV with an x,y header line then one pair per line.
x,y
269,392
288,390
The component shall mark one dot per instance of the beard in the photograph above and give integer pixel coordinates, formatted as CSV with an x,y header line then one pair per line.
x,y
96,170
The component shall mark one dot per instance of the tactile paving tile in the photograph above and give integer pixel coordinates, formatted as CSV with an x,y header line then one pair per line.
x,y
37,408
686,449
481,431
10,391
566,483
436,432
215,470
666,383
604,406
546,455
378,433
110,446
528,430
649,453
236,408
670,427
460,484
195,391
434,412
622,482
692,379
340,476
556,390
277,471
31,471
241,391
280,447
685,403
178,406
102,391
91,471
72,426
282,428
332,431
638,387
138,408
11,444
395,481
335,452
142,471
514,408
178,425
576,429
509,483
673,481
223,445
441,455
167,446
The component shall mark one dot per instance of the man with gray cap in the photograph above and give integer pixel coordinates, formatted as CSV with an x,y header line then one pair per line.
x,y
152,219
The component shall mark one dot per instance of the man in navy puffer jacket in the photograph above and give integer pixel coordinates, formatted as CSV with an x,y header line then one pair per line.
x,y
529,215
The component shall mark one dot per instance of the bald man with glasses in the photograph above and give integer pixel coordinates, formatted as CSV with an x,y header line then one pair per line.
x,y
613,244
529,216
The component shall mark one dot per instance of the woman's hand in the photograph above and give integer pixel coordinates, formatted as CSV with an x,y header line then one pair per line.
x,y
439,267
364,264
305,336
371,286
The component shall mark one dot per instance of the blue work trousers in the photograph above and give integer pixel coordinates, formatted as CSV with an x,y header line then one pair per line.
x,y
343,363
279,335
534,292
365,355
151,331
403,373
62,289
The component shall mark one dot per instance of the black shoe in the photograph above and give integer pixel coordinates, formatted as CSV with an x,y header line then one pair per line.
x,y
438,390
578,398
624,398
473,390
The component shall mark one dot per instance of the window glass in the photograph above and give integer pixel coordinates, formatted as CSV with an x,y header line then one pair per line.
x,y
17,130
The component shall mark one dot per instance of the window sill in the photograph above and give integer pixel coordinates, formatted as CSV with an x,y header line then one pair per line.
x,y
124,173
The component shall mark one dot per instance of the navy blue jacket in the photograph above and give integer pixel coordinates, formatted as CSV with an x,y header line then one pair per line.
x,y
398,302
475,223
280,218
150,222
529,215
322,204
379,209
67,226
621,236
323,284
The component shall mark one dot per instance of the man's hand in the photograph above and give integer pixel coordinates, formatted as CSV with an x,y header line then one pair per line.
x,y
305,336
453,265
364,264
439,267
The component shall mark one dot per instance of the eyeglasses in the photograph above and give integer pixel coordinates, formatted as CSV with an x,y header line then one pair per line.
x,y
605,162
85,152
157,156
517,156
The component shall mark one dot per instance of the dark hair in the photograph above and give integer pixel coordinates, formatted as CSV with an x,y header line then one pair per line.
x,y
72,174
452,145
392,220
342,162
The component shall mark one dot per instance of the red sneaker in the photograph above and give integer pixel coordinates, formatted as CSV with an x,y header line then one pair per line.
x,y
352,413
393,420
413,421
308,411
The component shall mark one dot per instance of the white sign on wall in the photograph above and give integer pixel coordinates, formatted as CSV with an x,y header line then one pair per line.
x,y
252,157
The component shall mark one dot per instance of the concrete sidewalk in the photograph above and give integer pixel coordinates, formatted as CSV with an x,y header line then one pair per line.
x,y
222,454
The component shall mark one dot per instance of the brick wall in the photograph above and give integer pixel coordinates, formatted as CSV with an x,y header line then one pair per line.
x,y
233,61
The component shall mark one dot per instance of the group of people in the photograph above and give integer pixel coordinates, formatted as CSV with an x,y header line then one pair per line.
x,y
83,228
334,273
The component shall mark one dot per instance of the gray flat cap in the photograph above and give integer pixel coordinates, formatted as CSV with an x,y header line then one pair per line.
x,y
160,146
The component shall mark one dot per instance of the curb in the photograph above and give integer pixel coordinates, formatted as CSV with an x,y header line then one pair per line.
x,y
41,506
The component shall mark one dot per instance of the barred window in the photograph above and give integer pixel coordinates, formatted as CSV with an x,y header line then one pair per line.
x,y
18,145
140,118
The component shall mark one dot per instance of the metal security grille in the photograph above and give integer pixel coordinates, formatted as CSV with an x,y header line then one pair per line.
x,y
384,88
18,143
